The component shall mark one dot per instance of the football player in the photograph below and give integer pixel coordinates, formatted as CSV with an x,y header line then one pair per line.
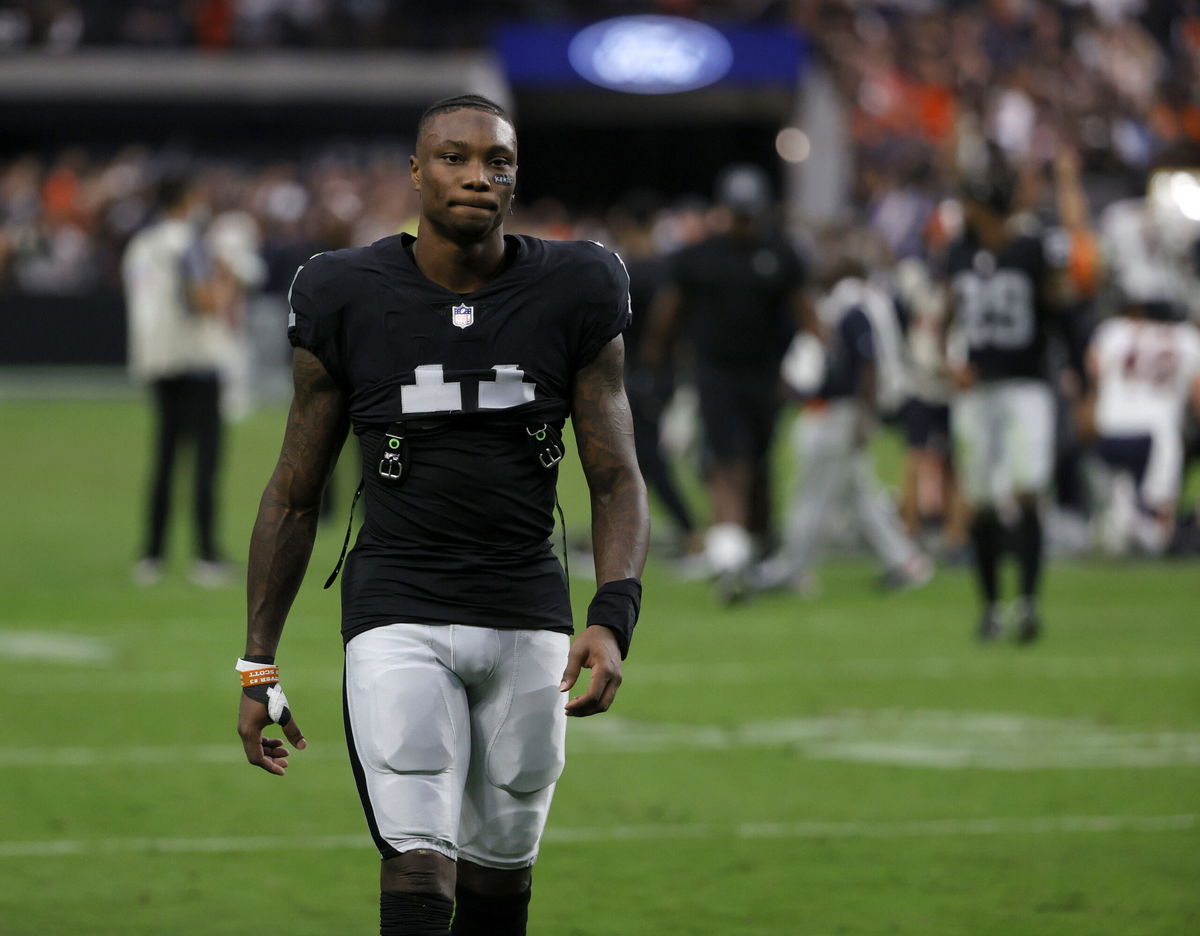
x,y
1144,367
999,293
454,357
836,475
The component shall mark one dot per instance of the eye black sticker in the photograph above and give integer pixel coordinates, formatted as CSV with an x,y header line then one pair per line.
x,y
503,179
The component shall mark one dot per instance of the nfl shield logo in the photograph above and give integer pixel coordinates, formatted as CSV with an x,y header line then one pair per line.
x,y
462,315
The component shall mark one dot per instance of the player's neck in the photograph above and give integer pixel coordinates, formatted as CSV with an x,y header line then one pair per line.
x,y
460,267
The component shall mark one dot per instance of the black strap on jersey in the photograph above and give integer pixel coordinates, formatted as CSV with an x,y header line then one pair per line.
x,y
393,468
393,454
547,444
346,542
562,520
394,464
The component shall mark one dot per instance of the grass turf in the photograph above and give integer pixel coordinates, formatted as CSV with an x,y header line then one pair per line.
x,y
850,765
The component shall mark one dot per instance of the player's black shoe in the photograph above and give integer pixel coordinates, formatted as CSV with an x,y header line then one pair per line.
x,y
989,625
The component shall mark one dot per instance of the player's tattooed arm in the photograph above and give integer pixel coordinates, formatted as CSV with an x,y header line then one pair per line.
x,y
282,540
620,516
285,529
604,433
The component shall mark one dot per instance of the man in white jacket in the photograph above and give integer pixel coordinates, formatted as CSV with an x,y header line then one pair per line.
x,y
176,345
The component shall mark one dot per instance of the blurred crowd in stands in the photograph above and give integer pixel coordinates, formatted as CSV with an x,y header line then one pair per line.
x,y
928,86
64,25
1082,99
931,85
64,221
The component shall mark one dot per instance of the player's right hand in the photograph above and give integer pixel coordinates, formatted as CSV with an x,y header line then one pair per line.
x,y
267,753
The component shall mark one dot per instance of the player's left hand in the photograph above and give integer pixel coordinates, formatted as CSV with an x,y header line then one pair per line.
x,y
595,649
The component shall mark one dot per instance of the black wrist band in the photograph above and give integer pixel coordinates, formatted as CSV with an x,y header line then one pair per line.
x,y
267,659
616,606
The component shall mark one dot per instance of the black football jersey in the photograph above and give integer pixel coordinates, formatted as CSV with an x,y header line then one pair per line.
x,y
465,537
736,296
997,300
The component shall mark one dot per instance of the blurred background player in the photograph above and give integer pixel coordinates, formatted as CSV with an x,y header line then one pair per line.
x,y
999,284
175,299
1142,363
930,504
1144,366
835,467
650,388
738,294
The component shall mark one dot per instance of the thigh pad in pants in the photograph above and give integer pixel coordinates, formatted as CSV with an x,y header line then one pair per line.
x,y
458,735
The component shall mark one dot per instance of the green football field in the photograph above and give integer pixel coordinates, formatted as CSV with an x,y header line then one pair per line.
x,y
848,765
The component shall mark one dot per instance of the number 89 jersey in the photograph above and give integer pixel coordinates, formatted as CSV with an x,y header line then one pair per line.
x,y
996,299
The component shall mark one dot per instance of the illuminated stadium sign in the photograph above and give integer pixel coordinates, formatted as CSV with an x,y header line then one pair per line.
x,y
650,54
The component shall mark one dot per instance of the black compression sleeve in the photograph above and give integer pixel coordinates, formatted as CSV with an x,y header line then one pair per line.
x,y
404,914
480,915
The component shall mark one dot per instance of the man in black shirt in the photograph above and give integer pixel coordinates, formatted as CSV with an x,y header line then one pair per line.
x,y
1000,288
737,295
650,388
455,358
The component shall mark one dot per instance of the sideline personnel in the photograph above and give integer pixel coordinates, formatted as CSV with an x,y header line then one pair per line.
x,y
740,296
455,357
177,344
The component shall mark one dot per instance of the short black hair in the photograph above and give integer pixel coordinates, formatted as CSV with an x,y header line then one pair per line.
x,y
463,102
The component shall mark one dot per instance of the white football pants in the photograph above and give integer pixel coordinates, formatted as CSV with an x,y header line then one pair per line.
x,y
457,735
1003,439
836,474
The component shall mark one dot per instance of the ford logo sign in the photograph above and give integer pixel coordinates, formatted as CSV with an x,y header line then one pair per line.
x,y
650,54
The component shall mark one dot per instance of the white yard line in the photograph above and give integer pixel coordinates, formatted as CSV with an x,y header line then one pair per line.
x,y
946,740
930,828
918,738
54,647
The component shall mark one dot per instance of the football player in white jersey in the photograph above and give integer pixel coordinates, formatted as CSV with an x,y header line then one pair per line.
x,y
1144,370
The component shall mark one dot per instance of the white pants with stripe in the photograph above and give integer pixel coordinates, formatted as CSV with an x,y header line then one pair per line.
x,y
1003,439
836,474
457,735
